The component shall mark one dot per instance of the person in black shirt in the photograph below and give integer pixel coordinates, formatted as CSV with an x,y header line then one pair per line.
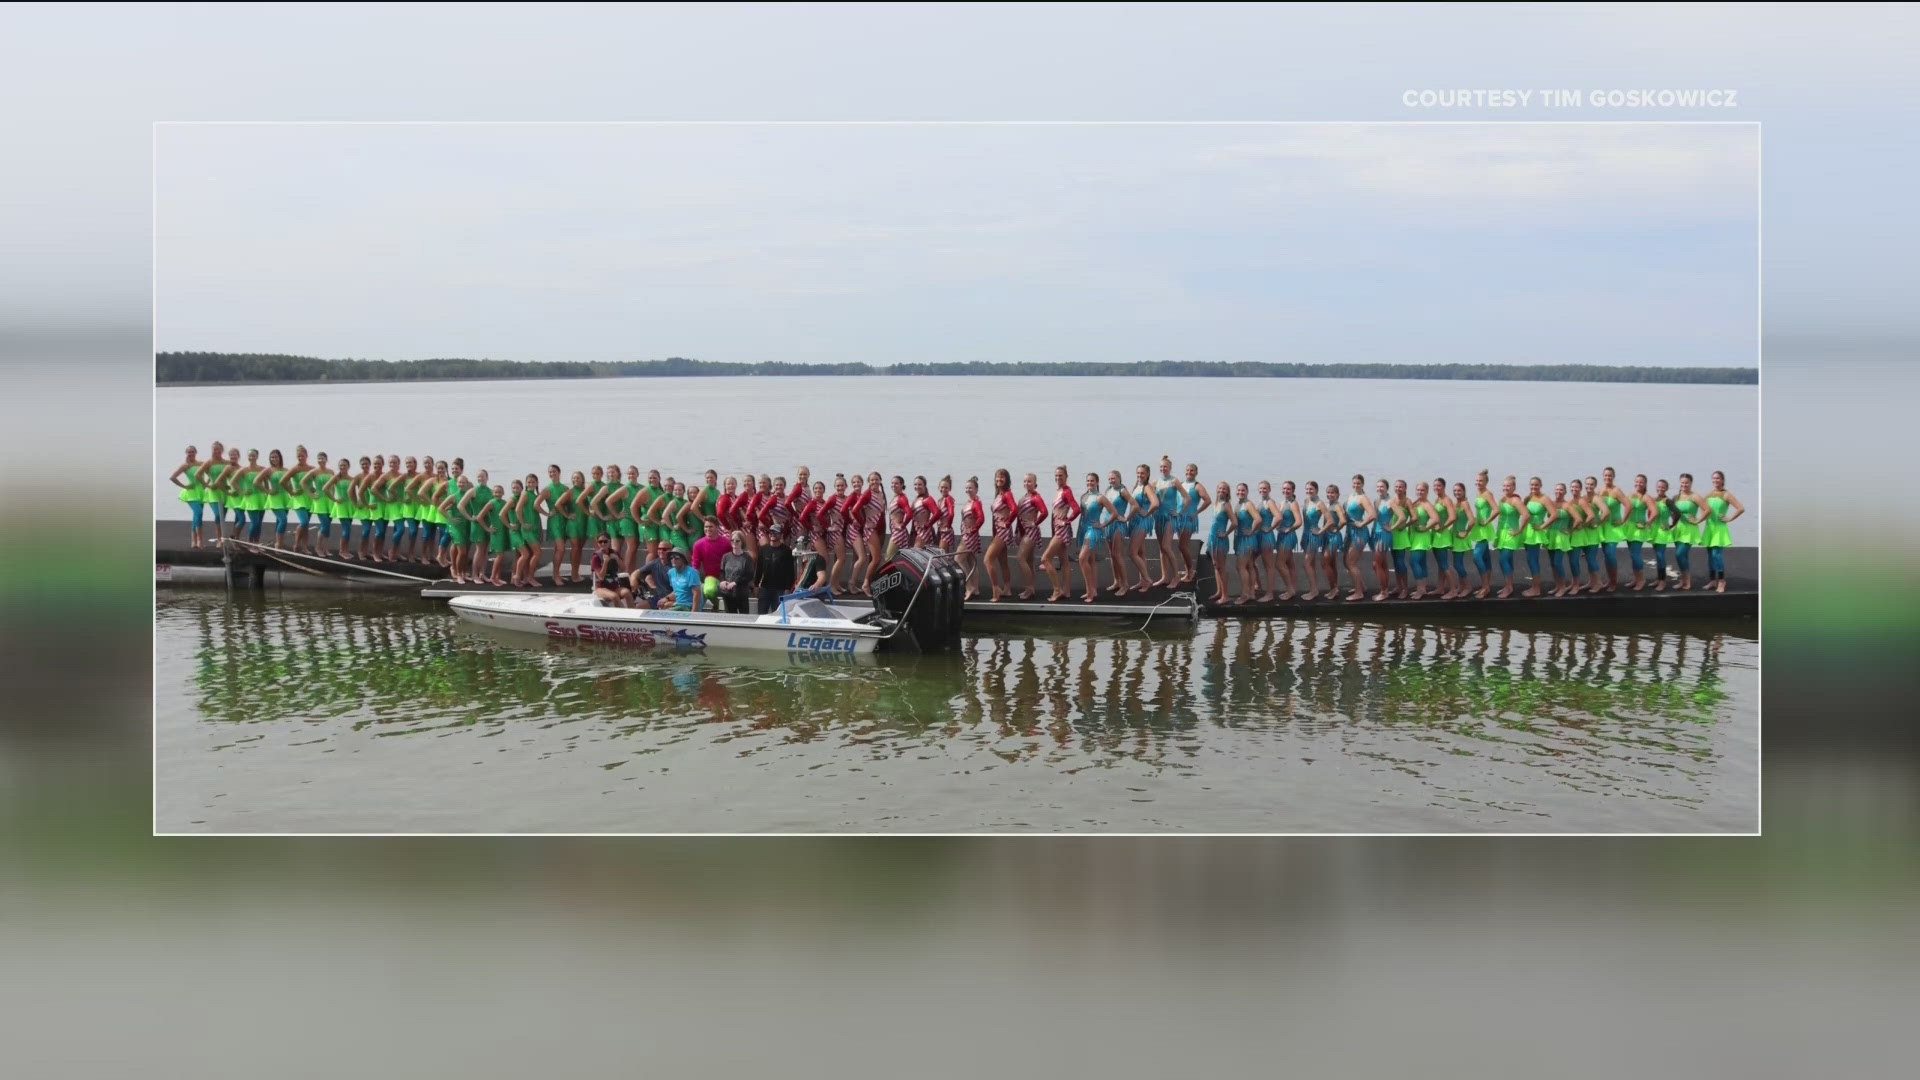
x,y
776,569
737,571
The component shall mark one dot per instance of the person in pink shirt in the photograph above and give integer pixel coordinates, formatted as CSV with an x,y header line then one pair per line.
x,y
710,549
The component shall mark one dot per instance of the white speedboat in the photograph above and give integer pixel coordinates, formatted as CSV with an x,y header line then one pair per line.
x,y
802,625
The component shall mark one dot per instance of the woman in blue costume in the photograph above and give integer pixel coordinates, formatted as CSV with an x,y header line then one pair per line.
x,y
1385,538
1096,512
1194,500
1287,532
1361,531
1266,544
1220,540
1146,518
1119,531
1313,543
1167,519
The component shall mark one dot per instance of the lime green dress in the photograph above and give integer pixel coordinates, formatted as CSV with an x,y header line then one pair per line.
x,y
1535,534
1465,532
1483,528
1511,532
1713,531
196,489
210,475
1560,533
1615,530
1422,531
1684,530
1639,525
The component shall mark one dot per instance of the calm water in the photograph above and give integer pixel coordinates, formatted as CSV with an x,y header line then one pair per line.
x,y
322,712
330,712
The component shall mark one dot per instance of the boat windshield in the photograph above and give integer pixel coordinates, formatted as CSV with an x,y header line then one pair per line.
x,y
807,608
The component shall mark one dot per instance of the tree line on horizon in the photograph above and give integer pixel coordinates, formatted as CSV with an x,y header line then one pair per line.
x,y
212,367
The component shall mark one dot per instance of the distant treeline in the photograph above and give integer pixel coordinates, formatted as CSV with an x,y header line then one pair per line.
x,y
202,367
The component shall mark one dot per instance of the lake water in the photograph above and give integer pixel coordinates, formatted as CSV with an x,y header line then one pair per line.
x,y
334,712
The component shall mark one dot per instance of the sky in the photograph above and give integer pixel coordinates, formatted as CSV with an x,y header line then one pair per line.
x,y
1832,86
1536,243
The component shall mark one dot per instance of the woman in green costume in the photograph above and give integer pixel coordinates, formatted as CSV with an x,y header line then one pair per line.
x,y
1510,531
549,504
193,489
1613,528
340,497
1485,524
573,508
479,527
1638,529
1688,510
295,486
274,486
1533,532
1580,526
1661,535
459,534
314,483
246,496
527,541
1422,515
1466,524
1559,536
500,525
596,526
361,499
214,489
1715,536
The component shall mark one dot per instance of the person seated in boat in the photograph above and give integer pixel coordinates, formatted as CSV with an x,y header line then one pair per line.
x,y
811,574
610,586
652,587
687,592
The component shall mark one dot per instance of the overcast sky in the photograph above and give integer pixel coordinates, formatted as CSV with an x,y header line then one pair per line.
x,y
1327,242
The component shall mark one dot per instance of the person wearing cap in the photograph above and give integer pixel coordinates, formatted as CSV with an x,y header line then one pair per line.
x,y
652,588
776,567
812,571
609,584
687,593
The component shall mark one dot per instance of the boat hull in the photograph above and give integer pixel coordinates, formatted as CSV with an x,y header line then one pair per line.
x,y
576,619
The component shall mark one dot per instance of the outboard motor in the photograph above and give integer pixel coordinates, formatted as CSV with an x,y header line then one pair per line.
x,y
929,622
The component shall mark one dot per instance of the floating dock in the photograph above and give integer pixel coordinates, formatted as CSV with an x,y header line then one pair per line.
x,y
176,561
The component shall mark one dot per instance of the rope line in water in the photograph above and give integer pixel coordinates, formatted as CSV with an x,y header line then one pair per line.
x,y
279,554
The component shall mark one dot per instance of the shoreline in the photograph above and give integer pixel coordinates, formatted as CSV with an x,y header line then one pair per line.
x,y
176,385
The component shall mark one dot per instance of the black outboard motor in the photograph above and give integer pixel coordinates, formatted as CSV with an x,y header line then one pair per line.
x,y
929,622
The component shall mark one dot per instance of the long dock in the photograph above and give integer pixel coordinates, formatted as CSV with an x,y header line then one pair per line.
x,y
245,566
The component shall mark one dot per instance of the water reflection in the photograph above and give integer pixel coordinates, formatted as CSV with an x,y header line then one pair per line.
x,y
393,667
